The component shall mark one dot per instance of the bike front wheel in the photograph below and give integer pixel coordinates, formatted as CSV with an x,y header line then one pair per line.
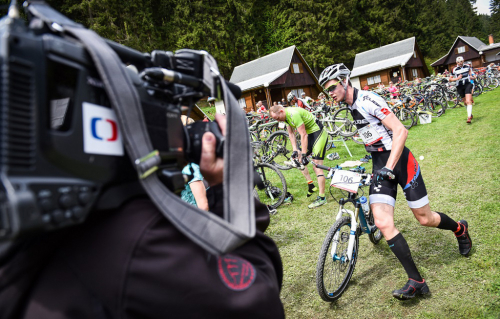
x,y
334,269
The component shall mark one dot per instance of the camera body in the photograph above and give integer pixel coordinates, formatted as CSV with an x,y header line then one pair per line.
x,y
61,149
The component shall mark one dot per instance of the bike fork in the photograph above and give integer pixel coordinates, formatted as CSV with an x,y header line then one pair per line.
x,y
352,235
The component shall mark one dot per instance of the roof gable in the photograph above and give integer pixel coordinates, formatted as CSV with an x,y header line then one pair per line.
x,y
260,67
390,55
389,51
473,42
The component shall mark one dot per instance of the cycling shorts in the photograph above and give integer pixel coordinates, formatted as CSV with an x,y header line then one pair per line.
x,y
316,144
408,175
463,89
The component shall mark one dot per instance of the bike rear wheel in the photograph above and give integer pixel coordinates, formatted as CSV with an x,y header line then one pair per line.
x,y
280,149
344,122
334,271
274,183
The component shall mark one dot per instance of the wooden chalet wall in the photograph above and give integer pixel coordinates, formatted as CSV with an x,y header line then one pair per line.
x,y
470,54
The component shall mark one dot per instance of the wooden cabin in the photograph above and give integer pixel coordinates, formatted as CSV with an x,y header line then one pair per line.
x,y
270,78
400,60
472,50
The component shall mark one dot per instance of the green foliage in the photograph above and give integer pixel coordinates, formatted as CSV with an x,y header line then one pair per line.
x,y
238,31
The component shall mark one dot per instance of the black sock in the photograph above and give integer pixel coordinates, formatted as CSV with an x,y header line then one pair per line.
x,y
400,248
311,186
447,223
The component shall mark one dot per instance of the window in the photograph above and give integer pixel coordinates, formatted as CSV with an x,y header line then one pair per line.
x,y
296,68
242,103
415,54
461,49
298,92
414,72
374,79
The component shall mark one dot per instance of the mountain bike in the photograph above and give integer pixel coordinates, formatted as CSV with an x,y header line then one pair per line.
x,y
339,252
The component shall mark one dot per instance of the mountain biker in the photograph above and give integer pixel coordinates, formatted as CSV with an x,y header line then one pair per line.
x,y
292,99
313,138
306,98
461,75
393,164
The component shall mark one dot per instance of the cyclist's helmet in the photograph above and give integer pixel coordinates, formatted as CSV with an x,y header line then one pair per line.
x,y
290,96
460,59
336,71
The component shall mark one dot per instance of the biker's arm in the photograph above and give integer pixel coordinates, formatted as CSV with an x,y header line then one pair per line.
x,y
291,135
399,135
303,137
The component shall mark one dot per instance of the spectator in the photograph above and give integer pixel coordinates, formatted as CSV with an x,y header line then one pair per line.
x,y
194,191
394,91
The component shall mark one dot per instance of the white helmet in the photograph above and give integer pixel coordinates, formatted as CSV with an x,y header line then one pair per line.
x,y
460,59
336,71
290,96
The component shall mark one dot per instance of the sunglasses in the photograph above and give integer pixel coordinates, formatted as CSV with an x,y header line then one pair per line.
x,y
331,88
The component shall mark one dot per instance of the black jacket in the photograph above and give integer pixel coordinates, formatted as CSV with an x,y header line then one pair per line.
x,y
133,263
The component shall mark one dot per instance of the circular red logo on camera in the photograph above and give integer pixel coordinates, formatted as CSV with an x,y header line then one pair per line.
x,y
236,273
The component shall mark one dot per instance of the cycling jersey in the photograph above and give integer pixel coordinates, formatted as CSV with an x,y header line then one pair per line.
x,y
295,117
464,72
302,103
369,108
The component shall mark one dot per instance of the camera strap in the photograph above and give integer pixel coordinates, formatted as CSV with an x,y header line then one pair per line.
x,y
214,234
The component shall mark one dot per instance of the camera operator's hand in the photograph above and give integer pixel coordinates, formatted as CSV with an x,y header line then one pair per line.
x,y
211,166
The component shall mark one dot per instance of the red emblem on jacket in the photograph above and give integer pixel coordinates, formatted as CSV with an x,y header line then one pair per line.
x,y
236,273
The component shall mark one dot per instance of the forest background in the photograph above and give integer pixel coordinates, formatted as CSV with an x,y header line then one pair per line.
x,y
238,31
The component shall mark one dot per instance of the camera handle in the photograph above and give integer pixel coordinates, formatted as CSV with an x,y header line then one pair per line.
x,y
214,234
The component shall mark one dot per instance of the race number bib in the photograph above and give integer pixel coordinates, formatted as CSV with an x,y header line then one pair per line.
x,y
346,180
369,135
281,124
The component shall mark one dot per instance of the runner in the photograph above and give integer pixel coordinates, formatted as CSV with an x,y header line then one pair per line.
x,y
462,73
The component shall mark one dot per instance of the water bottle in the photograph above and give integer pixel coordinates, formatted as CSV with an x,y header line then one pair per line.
x,y
364,205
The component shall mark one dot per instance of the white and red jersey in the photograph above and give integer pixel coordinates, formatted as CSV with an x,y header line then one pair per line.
x,y
369,108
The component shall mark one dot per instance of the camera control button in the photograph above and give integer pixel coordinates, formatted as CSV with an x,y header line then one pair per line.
x,y
46,218
57,216
84,198
67,200
78,213
47,204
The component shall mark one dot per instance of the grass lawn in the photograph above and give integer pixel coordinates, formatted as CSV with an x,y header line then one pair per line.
x,y
462,177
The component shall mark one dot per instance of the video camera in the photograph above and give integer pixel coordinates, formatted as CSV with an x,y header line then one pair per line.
x,y
62,151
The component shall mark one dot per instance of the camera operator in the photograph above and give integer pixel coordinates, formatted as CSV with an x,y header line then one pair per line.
x,y
133,263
